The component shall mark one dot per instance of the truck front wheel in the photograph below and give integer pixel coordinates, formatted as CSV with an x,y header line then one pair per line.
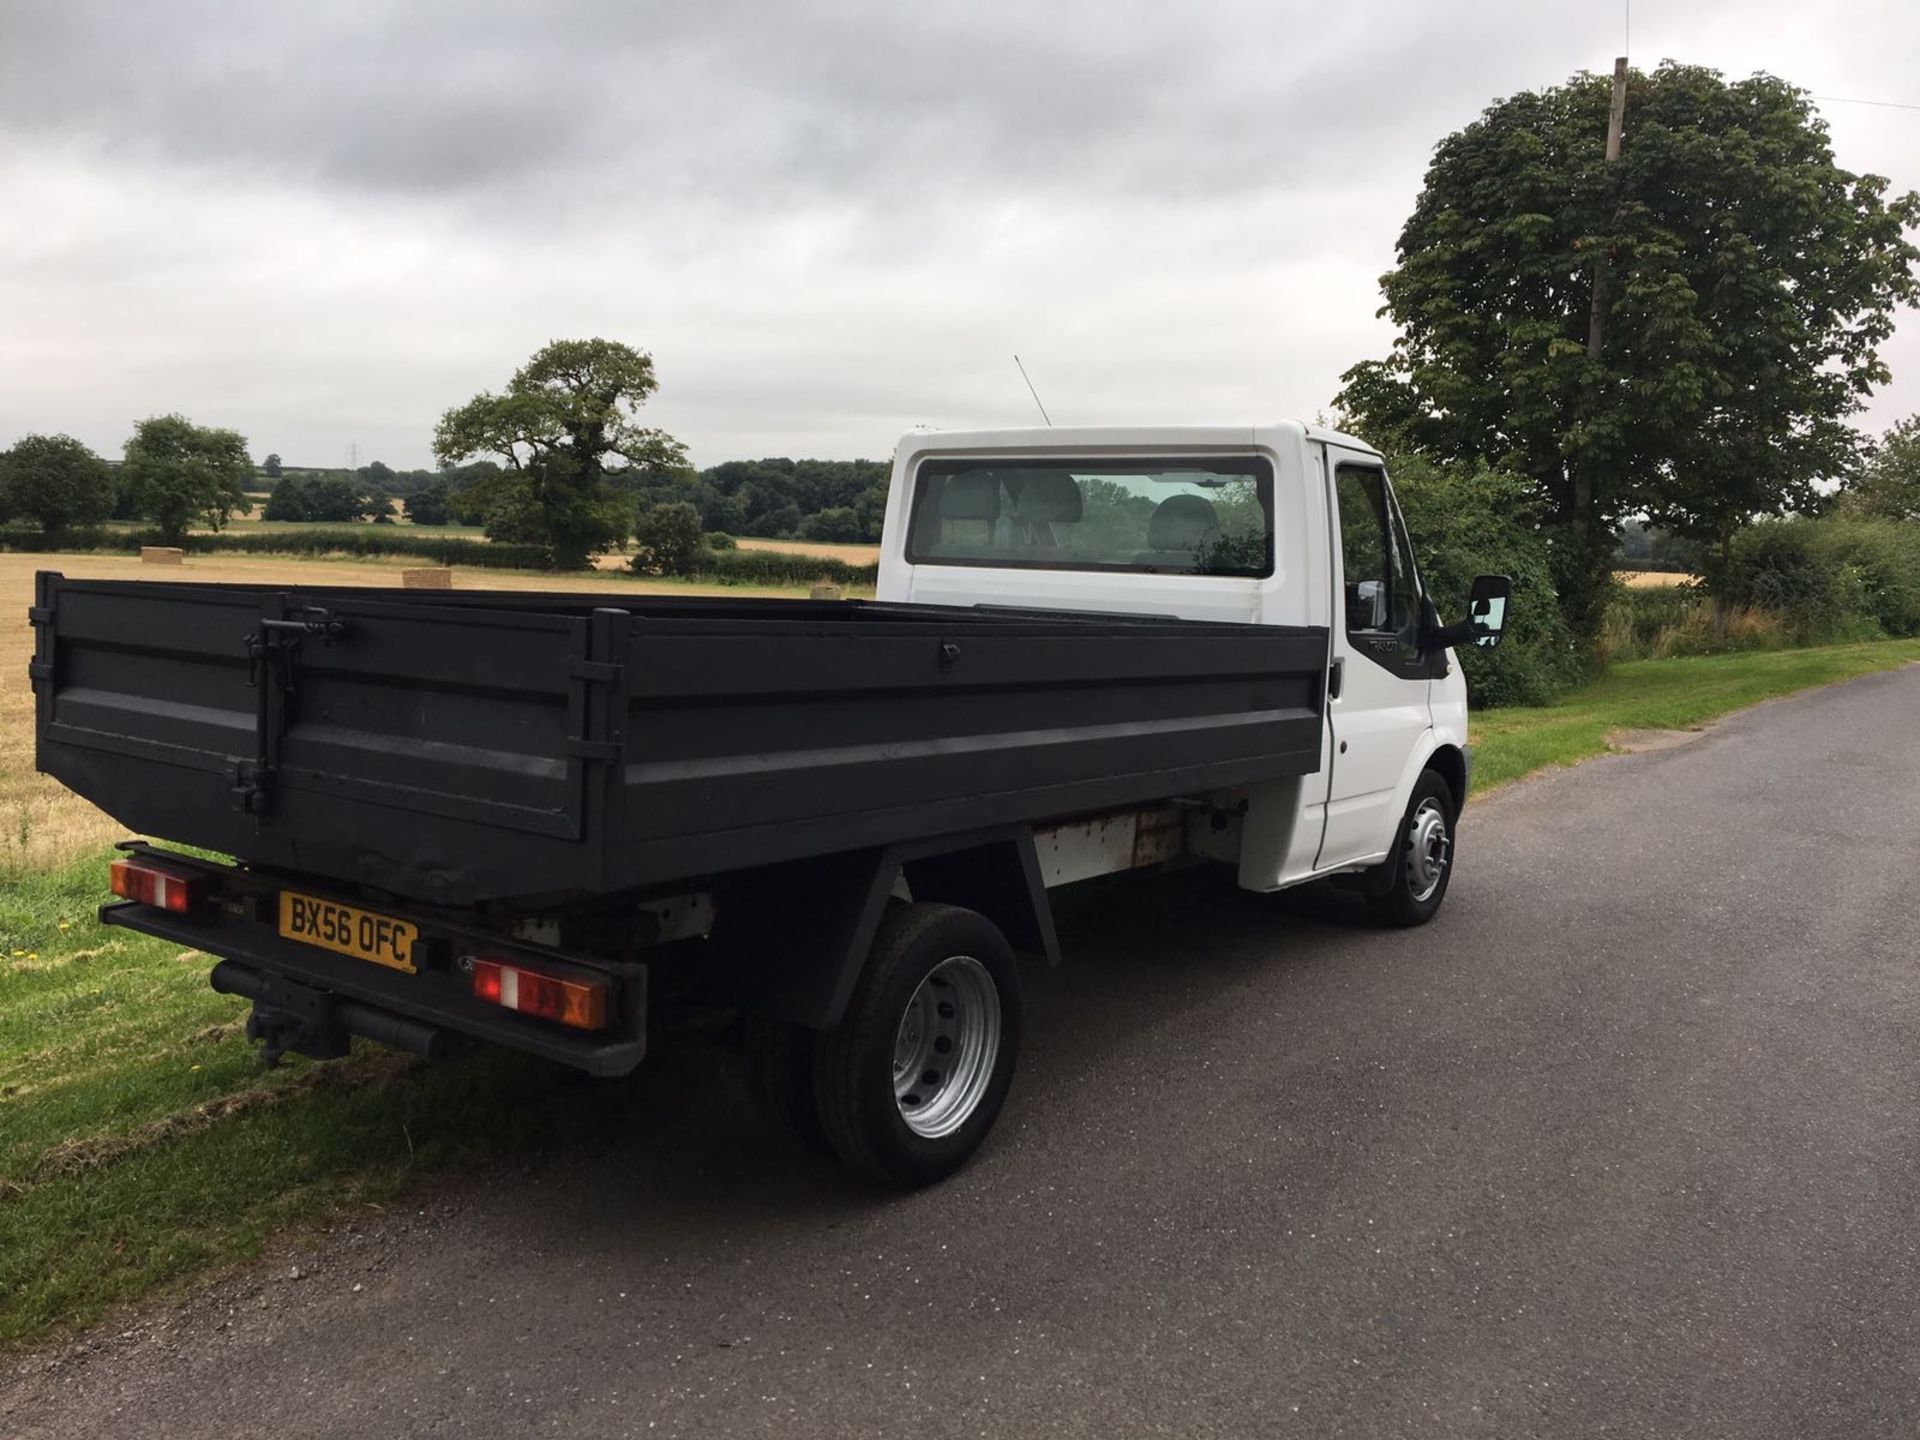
x,y
912,1078
1412,881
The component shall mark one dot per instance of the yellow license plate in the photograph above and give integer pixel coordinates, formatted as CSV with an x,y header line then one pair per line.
x,y
347,930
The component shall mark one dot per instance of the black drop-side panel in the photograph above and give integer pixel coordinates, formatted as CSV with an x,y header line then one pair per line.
x,y
491,745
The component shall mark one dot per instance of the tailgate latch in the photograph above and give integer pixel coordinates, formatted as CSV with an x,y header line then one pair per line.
x,y
251,792
273,646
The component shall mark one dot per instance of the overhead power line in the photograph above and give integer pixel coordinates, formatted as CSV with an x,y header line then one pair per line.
x,y
1880,104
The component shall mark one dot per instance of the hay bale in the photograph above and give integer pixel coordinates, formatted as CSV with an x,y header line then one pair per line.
x,y
162,555
824,590
427,577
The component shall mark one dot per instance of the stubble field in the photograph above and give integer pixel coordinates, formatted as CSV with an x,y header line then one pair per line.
x,y
42,826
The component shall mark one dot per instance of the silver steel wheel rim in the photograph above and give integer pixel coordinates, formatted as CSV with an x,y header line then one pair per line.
x,y
1429,848
946,1046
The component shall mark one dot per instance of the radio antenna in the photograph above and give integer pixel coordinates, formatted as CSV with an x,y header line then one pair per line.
x,y
1033,392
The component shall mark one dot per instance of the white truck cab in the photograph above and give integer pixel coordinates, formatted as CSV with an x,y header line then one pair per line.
x,y
1281,524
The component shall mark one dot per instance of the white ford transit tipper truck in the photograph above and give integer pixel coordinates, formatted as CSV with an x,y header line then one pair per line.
x,y
522,819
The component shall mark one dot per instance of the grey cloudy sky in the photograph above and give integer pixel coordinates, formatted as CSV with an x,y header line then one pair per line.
x,y
324,224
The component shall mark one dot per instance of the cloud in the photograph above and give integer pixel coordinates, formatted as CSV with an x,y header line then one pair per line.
x,y
732,100
325,224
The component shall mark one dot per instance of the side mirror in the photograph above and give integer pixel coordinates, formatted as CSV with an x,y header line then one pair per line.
x,y
1487,609
1486,614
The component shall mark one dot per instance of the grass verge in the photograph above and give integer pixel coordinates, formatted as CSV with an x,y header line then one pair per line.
x,y
141,1145
1678,694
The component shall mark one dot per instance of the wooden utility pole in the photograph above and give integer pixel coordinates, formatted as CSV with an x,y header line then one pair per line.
x,y
1616,121
1597,320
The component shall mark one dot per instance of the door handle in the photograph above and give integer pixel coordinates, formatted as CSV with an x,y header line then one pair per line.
x,y
1334,670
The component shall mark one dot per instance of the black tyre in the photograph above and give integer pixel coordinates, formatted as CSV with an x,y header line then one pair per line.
x,y
912,1078
779,1062
1411,882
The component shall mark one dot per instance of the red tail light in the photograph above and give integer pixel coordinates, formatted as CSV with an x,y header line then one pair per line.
x,y
579,1003
156,885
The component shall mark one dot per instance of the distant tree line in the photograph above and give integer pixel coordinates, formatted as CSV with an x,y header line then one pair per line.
x,y
1646,547
557,460
834,500
827,500
426,497
375,478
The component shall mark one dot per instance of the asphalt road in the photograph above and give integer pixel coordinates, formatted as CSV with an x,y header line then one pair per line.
x,y
1623,1144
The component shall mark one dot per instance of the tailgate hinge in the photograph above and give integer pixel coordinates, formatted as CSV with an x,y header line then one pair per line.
x,y
40,666
605,676
596,723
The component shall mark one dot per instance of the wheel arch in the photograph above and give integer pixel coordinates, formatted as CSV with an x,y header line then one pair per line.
x,y
1435,752
789,941
1449,761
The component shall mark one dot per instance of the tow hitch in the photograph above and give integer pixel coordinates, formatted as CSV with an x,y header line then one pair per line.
x,y
288,1016
314,1034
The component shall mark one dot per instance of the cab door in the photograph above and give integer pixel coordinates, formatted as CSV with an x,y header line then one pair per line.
x,y
1378,681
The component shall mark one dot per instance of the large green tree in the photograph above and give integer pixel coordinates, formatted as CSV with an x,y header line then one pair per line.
x,y
335,496
431,505
1887,486
669,539
178,474
565,429
1748,284
56,482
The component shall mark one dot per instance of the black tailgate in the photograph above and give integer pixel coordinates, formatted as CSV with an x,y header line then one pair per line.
x,y
377,739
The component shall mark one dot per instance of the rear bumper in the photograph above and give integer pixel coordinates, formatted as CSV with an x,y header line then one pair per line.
x,y
387,1006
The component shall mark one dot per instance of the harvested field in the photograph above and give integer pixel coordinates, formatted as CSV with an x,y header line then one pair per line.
x,y
851,554
41,824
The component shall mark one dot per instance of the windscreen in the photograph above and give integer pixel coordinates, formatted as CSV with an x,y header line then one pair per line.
x,y
1211,516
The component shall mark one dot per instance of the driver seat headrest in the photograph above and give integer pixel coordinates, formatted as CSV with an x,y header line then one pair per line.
x,y
971,495
1182,522
1047,497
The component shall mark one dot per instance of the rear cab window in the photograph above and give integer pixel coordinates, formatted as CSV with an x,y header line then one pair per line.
x,y
1203,516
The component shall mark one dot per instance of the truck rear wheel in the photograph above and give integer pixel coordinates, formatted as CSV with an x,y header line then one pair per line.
x,y
912,1078
779,1061
1412,881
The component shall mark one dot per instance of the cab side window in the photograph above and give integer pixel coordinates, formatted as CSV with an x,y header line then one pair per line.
x,y
1382,596
1364,549
1406,585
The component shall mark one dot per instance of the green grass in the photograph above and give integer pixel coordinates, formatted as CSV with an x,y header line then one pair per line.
x,y
141,1143
141,1146
1679,694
